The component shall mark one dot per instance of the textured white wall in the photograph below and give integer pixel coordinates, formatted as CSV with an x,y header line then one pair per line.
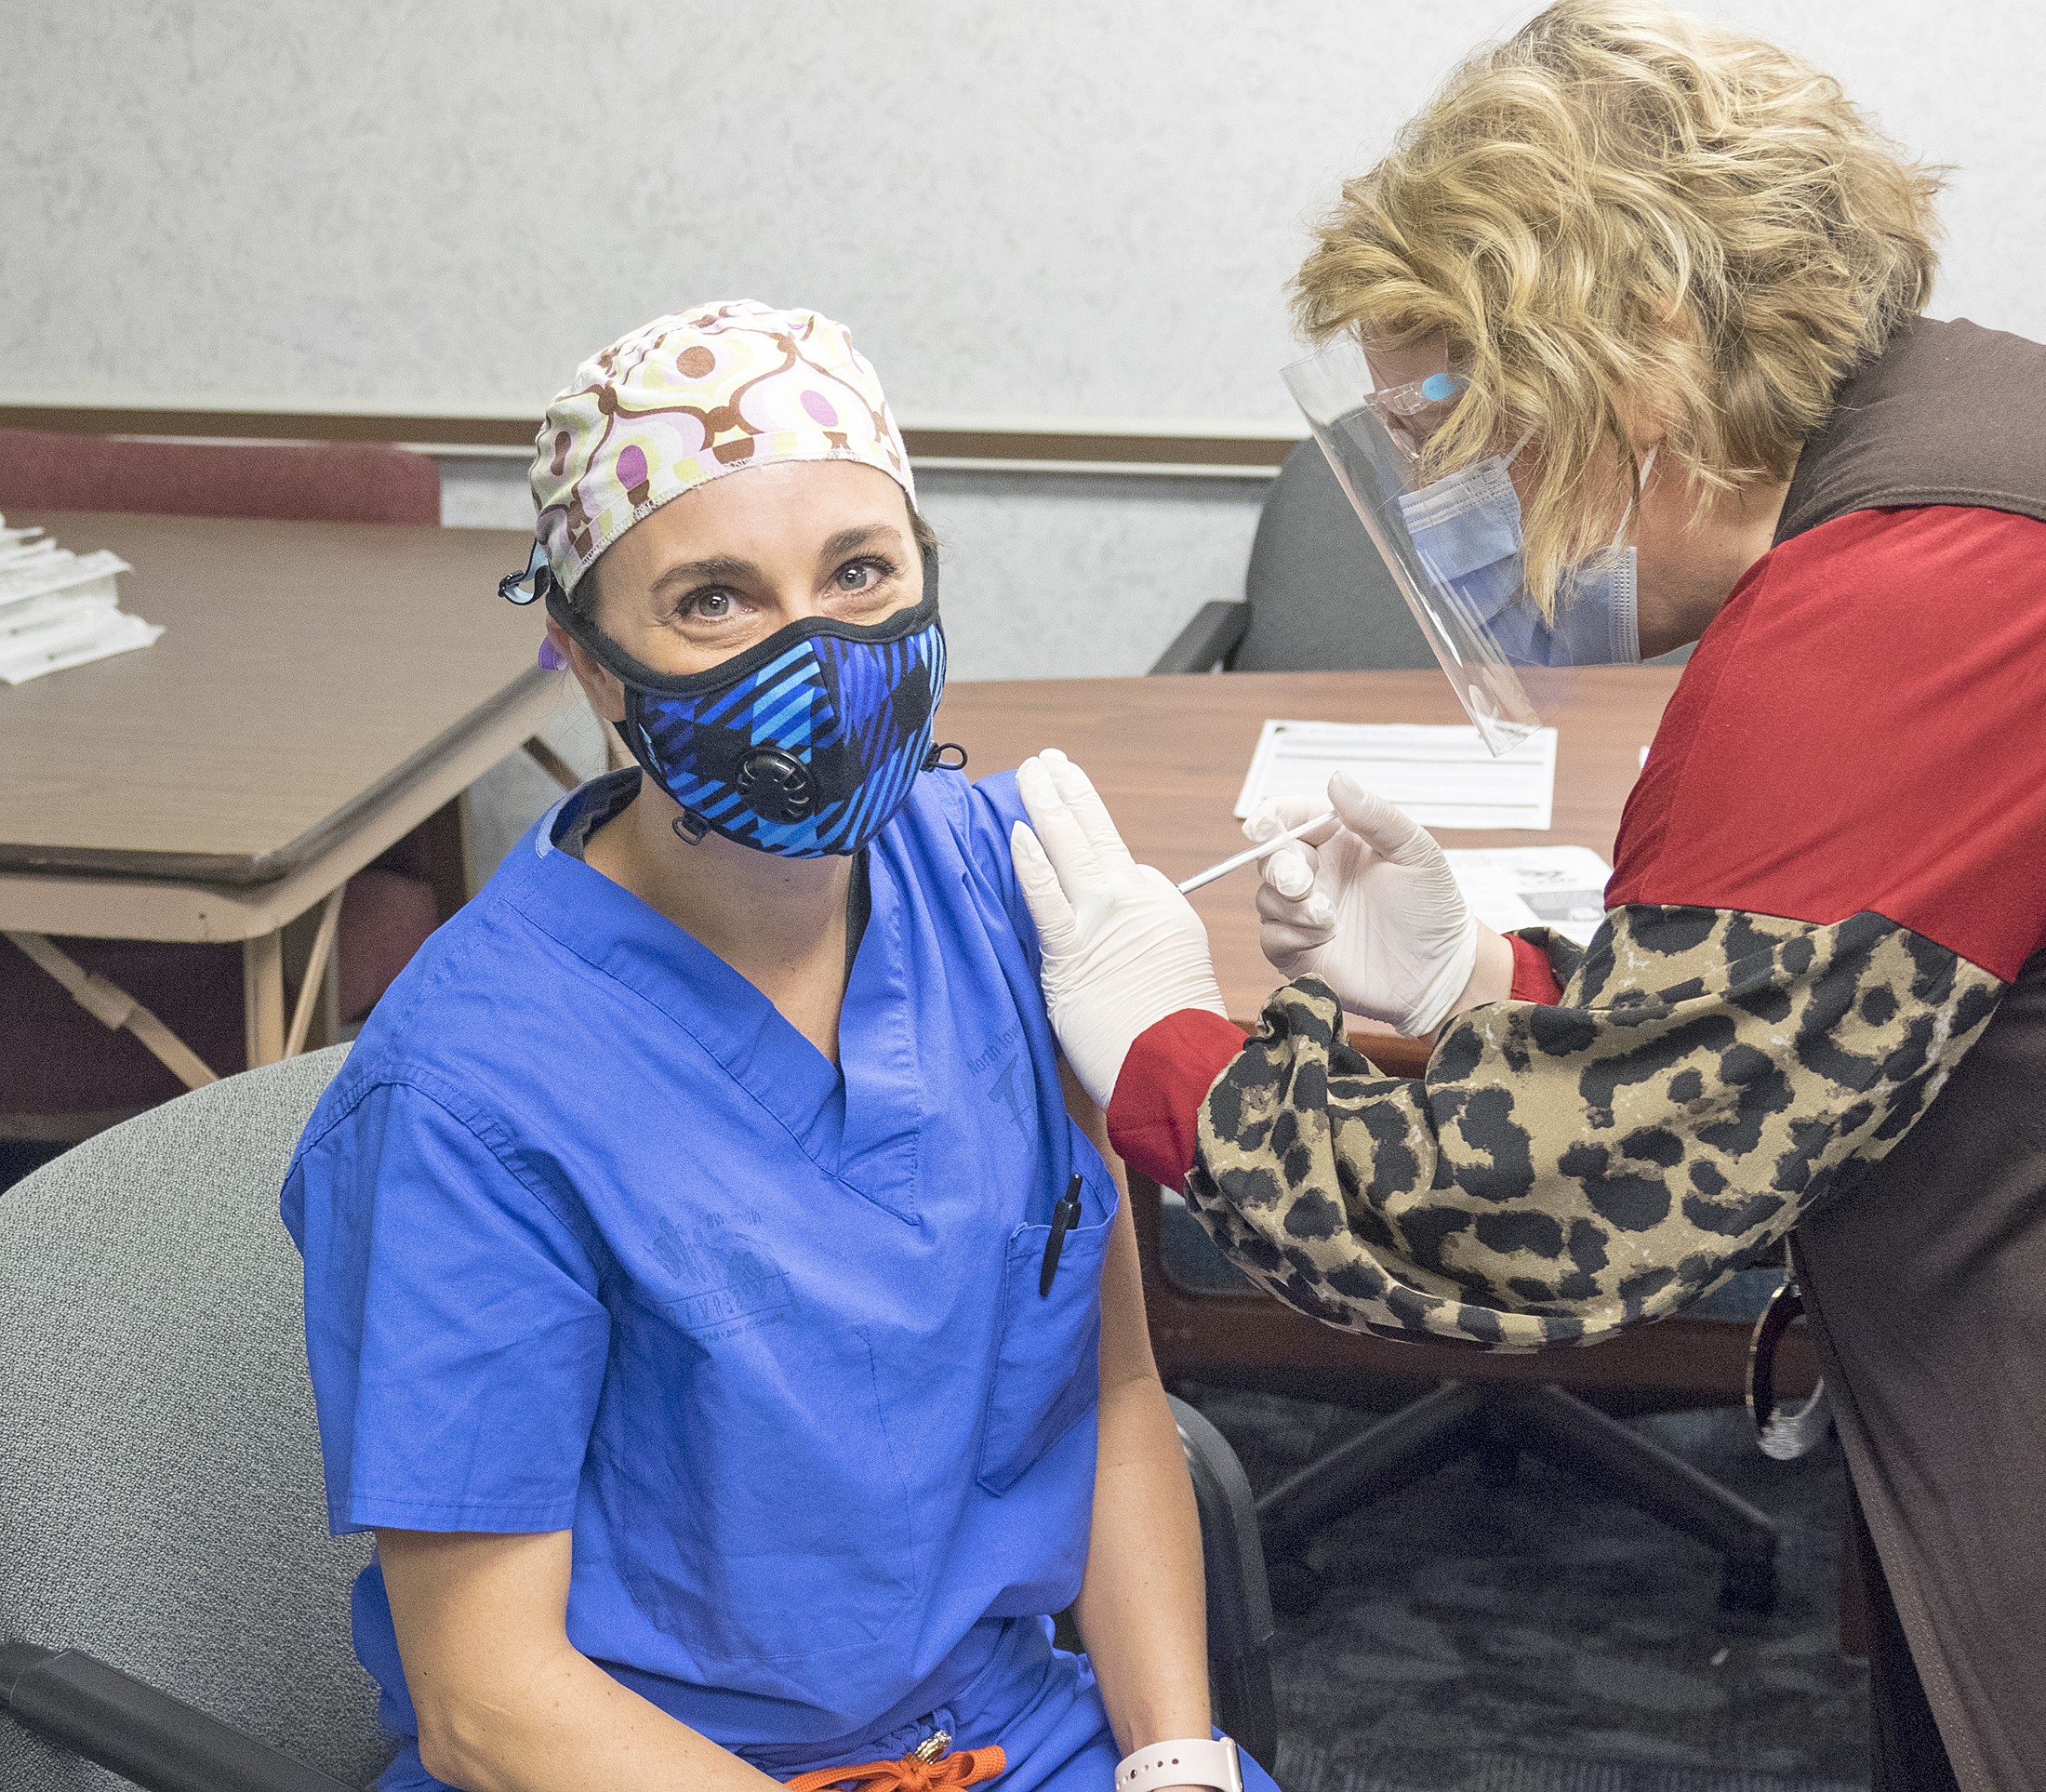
x,y
1061,208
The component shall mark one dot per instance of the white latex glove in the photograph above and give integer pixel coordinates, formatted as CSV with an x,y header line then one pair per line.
x,y
1123,949
1369,906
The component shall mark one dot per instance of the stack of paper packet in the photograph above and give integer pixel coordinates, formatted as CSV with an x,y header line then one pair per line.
x,y
59,608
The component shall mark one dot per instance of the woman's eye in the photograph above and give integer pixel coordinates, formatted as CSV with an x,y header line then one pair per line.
x,y
861,575
710,605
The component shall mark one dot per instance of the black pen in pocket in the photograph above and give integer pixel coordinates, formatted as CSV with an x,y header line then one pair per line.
x,y
1065,1215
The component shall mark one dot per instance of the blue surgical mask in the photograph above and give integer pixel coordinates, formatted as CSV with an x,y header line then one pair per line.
x,y
805,744
1467,529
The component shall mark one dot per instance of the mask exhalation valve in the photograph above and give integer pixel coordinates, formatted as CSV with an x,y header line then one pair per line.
x,y
777,785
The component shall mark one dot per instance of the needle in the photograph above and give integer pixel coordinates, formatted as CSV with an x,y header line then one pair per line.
x,y
1258,851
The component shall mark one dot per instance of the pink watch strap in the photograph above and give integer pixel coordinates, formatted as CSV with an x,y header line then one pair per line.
x,y
1184,1761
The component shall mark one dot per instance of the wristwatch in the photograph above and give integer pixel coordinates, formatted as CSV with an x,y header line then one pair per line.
x,y
1187,1761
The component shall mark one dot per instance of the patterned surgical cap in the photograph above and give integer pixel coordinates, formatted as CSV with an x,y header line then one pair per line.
x,y
690,397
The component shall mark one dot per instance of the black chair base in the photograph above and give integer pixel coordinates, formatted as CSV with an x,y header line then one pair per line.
x,y
1497,1424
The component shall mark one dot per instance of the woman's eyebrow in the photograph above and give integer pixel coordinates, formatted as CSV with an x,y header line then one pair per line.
x,y
715,569
863,535
719,568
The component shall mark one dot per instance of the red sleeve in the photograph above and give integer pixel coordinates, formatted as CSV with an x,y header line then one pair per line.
x,y
1533,979
1156,1107
1863,729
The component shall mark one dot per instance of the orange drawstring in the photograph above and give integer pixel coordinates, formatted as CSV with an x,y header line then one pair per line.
x,y
968,1766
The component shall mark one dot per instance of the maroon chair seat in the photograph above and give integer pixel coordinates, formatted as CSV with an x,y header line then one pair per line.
x,y
63,1074
293,482
385,918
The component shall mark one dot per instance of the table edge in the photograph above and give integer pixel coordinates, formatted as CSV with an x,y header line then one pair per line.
x,y
243,871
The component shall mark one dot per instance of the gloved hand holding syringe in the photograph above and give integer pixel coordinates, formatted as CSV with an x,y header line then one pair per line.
x,y
1259,851
1372,910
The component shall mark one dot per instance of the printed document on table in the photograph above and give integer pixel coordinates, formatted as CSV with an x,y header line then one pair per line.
x,y
1443,777
60,609
1558,887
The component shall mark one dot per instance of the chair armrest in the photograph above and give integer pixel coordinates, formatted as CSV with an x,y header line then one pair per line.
x,y
1240,1626
126,1725
1207,641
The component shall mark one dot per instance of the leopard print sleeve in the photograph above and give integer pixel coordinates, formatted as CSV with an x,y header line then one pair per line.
x,y
1562,1172
1565,955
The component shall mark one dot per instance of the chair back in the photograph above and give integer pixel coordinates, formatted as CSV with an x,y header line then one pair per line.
x,y
292,482
161,1494
1321,599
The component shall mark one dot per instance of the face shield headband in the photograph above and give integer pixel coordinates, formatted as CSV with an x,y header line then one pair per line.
x,y
1453,545
804,745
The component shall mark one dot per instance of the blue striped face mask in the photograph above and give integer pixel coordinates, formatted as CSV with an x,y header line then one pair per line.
x,y
804,745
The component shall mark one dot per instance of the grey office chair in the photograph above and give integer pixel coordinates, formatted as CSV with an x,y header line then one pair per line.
x,y
1316,596
161,1501
172,1607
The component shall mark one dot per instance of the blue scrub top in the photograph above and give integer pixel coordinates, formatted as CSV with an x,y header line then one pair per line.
x,y
596,1241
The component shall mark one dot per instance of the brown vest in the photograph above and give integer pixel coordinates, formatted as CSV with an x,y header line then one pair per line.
x,y
1950,413
1927,1281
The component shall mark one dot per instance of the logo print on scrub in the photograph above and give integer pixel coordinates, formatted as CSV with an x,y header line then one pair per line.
x,y
804,745
1467,529
725,1286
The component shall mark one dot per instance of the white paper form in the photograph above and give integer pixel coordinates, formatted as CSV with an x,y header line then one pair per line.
x,y
1443,777
1558,887
60,609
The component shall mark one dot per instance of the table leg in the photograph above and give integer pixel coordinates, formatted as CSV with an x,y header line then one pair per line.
x,y
263,998
553,764
314,984
113,1007
330,1001
465,824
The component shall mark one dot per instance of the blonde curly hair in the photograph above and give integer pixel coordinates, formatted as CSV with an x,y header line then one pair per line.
x,y
1623,214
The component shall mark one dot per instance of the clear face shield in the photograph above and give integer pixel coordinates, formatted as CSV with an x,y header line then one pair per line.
x,y
1452,544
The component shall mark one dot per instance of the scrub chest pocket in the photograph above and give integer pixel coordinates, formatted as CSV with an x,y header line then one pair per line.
x,y
1048,1373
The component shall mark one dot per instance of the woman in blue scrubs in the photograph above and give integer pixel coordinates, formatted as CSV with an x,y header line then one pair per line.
x,y
714,1305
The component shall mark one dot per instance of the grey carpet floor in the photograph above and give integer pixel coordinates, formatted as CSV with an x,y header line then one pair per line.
x,y
1543,1638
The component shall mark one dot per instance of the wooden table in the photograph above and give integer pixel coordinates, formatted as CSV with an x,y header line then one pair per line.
x,y
321,690
1169,754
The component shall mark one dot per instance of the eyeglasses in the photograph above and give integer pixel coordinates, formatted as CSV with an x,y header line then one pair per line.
x,y
1414,412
